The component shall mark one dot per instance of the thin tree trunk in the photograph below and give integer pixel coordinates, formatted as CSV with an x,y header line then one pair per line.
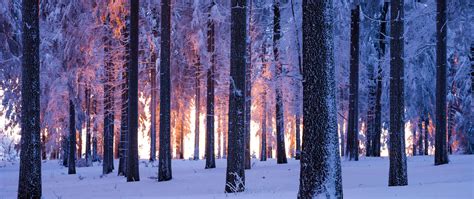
x,y
235,173
320,174
132,153
72,139
280,121
29,183
164,168
210,155
427,133
153,108
441,153
88,125
298,98
398,164
263,137
353,133
123,148
420,136
248,89
378,96
108,105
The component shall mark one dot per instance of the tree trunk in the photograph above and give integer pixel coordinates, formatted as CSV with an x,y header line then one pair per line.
x,y
378,95
427,133
263,137
29,183
298,98
210,155
248,89
95,156
108,105
153,108
353,133
88,126
72,139
132,161
197,101
441,153
280,122
164,168
420,136
235,173
123,148
398,164
414,141
320,175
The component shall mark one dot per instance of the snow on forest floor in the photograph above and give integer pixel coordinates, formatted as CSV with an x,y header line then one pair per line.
x,y
366,178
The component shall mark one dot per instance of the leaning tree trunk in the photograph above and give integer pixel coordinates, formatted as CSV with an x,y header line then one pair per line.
x,y
398,164
280,122
164,168
320,175
352,134
29,183
210,155
132,159
235,173
123,148
441,153
378,95
72,139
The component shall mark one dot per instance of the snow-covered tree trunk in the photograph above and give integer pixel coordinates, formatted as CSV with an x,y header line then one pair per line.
x,y
378,96
88,125
197,102
72,139
210,155
353,133
320,175
248,88
108,103
235,173
263,137
398,164
298,87
441,153
123,148
164,168
29,183
132,161
280,121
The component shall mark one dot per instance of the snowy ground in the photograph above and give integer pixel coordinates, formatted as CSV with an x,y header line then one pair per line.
x,y
366,178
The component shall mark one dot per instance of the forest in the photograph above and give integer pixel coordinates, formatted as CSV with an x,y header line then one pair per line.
x,y
236,98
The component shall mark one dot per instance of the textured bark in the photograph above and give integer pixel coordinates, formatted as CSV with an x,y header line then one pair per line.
x,y
197,101
164,168
123,148
441,153
132,159
108,105
88,126
210,155
353,133
378,95
29,183
235,173
65,148
280,121
153,108
298,88
398,164
72,139
320,174
248,89
263,137
95,156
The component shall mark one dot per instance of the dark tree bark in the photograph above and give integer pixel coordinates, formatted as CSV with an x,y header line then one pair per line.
x,y
153,108
420,136
353,133
29,183
210,155
414,141
65,148
197,101
263,153
164,169
280,122
235,173
95,156
132,160
43,146
378,96
320,174
427,133
398,164
72,139
108,138
88,125
441,153
123,148
248,89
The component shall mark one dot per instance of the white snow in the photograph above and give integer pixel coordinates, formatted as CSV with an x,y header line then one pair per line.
x,y
366,178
